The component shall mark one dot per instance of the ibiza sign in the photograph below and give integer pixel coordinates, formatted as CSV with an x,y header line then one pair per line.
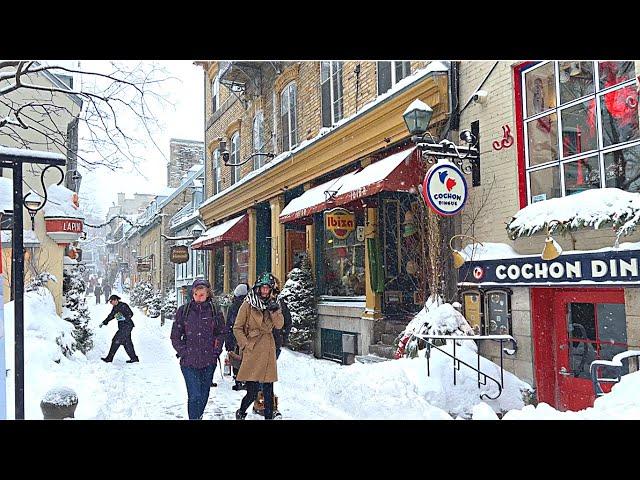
x,y
444,189
340,222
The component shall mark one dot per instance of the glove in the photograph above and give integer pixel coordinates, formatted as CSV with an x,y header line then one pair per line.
x,y
273,306
104,323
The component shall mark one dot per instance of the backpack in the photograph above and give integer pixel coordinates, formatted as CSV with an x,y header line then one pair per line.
x,y
216,314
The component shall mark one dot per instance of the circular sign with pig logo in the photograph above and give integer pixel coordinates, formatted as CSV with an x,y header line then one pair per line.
x,y
444,188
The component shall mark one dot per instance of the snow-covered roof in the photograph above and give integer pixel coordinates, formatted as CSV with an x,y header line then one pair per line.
x,y
594,207
217,230
435,66
60,203
29,238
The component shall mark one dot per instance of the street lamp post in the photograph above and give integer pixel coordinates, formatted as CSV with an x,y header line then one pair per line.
x,y
417,118
15,158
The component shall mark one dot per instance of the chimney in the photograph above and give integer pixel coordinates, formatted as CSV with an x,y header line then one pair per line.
x,y
121,199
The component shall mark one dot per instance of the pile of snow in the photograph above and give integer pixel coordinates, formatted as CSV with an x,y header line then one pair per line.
x,y
596,207
488,251
622,403
439,319
62,396
60,203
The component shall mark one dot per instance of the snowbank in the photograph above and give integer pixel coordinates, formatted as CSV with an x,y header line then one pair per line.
x,y
60,203
589,208
622,403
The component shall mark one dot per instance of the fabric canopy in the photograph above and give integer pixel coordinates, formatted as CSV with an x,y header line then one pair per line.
x,y
397,173
234,230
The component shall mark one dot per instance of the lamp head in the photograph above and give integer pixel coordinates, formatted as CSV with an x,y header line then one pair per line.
x,y
458,259
467,137
552,249
417,117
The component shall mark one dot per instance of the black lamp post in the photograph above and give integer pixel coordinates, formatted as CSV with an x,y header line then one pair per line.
x,y
417,117
14,158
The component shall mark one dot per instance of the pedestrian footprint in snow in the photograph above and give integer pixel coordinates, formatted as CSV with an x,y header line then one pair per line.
x,y
123,314
258,316
197,336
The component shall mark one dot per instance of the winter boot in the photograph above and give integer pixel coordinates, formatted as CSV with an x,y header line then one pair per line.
x,y
277,415
133,360
240,415
104,359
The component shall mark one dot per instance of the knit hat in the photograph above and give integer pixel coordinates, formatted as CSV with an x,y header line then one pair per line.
x,y
200,282
241,290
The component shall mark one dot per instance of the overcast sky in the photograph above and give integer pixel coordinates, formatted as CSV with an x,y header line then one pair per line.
x,y
185,121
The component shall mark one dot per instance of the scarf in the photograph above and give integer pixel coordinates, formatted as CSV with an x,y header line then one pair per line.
x,y
255,301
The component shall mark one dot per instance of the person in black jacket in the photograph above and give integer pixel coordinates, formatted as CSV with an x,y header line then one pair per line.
x,y
122,313
231,344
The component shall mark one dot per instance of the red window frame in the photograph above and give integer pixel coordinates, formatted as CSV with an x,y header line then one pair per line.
x,y
522,170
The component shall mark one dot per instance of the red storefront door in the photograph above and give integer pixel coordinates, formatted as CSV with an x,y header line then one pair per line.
x,y
571,328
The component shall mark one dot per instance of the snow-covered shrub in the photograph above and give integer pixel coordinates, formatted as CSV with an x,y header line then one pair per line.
x,y
39,280
75,310
141,294
299,294
154,305
170,305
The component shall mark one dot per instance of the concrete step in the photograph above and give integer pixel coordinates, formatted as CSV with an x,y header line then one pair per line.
x,y
394,327
388,338
385,351
370,359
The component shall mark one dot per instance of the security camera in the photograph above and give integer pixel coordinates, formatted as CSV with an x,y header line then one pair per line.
x,y
480,97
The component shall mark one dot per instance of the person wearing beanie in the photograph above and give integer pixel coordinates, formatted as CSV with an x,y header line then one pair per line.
x,y
197,336
259,314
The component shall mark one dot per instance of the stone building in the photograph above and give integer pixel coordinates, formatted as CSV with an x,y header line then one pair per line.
x,y
183,154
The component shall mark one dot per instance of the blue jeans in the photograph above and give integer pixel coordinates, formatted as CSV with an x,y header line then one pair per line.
x,y
198,381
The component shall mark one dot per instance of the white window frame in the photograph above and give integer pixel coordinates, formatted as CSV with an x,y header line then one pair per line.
x,y
217,172
258,139
292,133
215,94
234,156
336,88
394,80
600,150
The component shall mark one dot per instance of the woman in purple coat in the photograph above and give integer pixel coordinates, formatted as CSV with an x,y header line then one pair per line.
x,y
197,336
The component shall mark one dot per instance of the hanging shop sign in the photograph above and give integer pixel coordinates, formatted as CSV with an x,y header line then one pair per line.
x,y
64,230
340,222
613,267
444,189
143,267
179,254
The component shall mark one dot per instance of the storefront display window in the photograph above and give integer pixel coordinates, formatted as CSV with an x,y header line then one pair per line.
x,y
344,262
594,107
239,263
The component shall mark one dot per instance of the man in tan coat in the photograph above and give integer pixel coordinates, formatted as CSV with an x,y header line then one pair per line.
x,y
257,317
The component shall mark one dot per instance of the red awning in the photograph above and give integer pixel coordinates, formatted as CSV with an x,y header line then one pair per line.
x,y
234,230
399,172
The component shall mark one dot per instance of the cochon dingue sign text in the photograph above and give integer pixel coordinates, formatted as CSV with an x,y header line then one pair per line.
x,y
612,267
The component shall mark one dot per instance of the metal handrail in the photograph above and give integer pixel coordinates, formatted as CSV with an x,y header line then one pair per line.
x,y
615,363
457,362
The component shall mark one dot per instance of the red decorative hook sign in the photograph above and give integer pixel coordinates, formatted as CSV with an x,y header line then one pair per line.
x,y
507,139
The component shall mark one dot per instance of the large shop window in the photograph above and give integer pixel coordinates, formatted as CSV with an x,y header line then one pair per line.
x,y
344,263
239,263
581,128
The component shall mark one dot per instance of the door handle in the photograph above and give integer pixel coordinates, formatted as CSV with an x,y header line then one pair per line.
x,y
563,371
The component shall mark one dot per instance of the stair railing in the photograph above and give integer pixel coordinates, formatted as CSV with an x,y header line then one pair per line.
x,y
482,377
616,364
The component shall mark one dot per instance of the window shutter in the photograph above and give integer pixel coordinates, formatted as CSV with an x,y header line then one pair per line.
x,y
384,77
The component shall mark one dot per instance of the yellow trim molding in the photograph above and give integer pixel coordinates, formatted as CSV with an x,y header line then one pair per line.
x,y
290,74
